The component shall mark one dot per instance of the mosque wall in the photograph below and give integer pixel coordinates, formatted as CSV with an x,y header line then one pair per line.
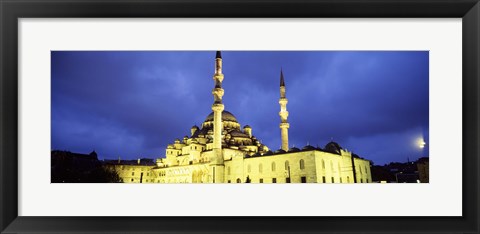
x,y
305,166
134,173
197,173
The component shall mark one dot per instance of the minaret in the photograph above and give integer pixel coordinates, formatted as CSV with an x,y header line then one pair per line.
x,y
217,166
284,125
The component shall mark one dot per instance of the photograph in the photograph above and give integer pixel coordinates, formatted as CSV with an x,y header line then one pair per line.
x,y
327,117
273,116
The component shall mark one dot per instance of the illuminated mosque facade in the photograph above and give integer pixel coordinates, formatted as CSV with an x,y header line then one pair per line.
x,y
221,151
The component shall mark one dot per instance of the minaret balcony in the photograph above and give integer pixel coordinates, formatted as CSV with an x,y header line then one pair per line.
x,y
218,107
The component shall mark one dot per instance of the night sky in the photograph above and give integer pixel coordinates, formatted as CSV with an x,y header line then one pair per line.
x,y
131,104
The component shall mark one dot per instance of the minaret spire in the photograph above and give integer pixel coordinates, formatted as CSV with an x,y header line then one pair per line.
x,y
284,125
282,80
217,166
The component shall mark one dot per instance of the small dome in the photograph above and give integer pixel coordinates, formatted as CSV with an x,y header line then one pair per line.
x,y
308,147
247,126
294,149
280,151
333,147
195,127
268,153
226,116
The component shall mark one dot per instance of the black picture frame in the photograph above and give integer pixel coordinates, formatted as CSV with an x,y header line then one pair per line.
x,y
11,11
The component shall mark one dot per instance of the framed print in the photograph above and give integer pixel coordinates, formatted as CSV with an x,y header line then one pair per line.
x,y
344,102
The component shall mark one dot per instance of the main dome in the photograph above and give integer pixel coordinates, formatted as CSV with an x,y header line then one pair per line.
x,y
226,116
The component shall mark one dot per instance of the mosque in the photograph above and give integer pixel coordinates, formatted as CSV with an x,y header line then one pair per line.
x,y
221,151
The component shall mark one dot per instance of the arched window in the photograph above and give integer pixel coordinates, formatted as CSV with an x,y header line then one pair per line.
x,y
348,179
287,165
323,164
238,180
302,164
273,166
331,166
339,169
228,170
366,169
249,169
260,168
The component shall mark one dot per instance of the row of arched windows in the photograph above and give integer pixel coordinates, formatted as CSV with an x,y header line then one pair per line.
x,y
331,166
366,170
301,165
273,167
340,169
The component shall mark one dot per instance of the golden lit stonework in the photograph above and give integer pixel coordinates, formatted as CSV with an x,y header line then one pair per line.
x,y
221,151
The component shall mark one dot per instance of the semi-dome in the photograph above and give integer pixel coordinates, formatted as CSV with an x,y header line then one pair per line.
x,y
226,116
236,133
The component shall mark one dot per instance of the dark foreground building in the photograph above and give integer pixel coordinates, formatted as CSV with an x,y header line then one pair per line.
x,y
407,172
68,167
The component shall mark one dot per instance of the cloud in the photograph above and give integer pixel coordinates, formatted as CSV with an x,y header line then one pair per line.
x,y
135,103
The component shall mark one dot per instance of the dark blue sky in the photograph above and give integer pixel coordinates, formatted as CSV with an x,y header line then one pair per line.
x,y
132,104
